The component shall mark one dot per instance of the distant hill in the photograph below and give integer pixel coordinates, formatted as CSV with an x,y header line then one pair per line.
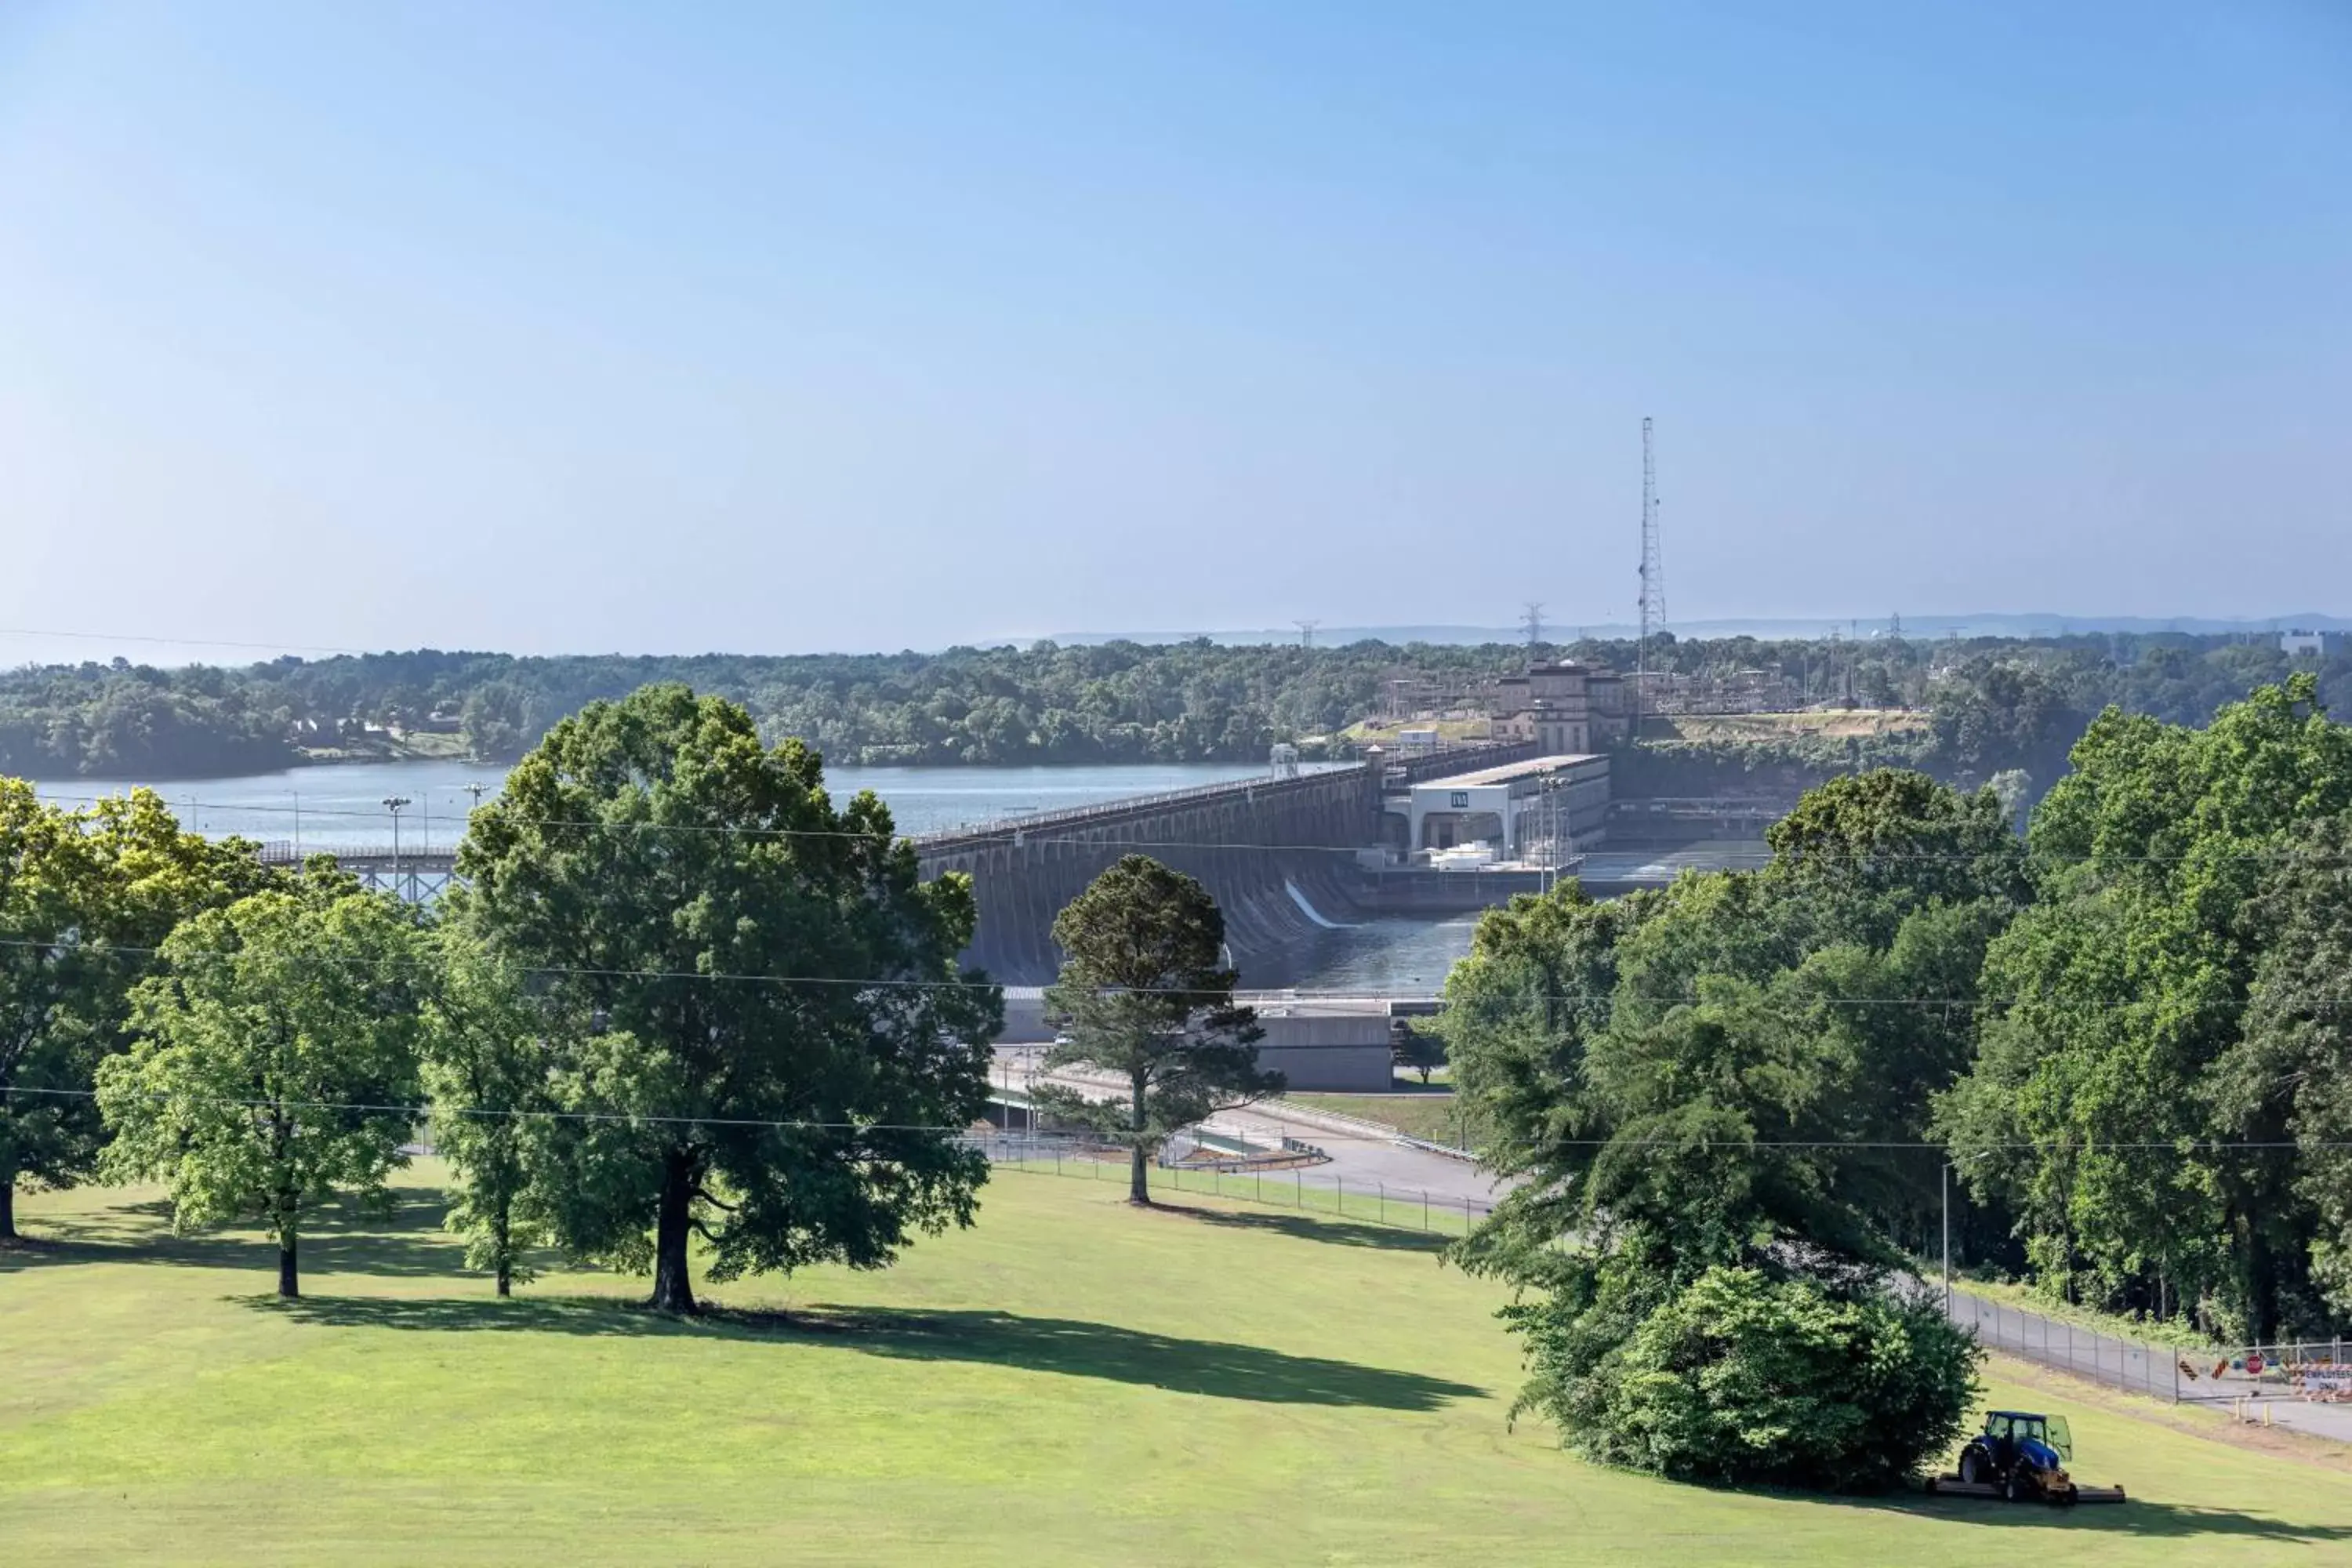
x,y
1994,704
1989,624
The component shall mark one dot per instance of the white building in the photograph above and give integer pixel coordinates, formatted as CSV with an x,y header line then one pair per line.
x,y
2312,644
1518,809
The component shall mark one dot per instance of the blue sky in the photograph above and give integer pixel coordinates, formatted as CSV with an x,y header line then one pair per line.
x,y
775,328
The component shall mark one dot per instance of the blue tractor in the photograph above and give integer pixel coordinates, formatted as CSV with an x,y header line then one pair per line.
x,y
2024,1455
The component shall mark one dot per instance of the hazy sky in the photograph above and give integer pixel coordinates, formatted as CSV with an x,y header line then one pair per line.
x,y
773,328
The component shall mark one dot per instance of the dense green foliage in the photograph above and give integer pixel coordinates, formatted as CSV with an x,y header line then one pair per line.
x,y
85,898
2130,1032
1709,1078
1995,704
678,991
1144,996
273,1061
776,1029
1745,1377
489,1045
2168,1042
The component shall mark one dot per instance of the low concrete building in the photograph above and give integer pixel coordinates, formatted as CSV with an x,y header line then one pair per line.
x,y
1341,1046
1337,1047
2312,644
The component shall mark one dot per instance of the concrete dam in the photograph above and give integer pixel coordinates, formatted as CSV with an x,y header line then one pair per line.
x,y
1280,856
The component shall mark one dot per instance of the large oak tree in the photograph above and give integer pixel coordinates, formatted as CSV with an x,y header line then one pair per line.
x,y
273,1063
782,1047
85,899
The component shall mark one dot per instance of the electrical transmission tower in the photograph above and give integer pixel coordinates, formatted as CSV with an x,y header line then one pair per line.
x,y
1653,571
1307,632
1532,619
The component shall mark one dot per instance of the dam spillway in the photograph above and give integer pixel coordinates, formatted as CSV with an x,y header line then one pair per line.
x,y
1279,854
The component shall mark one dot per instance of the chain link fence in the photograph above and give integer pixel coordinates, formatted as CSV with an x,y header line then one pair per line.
x,y
2134,1365
2306,1370
1295,1185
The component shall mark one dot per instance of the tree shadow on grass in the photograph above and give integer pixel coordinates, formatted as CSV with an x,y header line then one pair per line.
x,y
1063,1345
2137,1517
403,1242
1305,1227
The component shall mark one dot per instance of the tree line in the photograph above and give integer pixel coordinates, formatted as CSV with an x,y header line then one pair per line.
x,y
1994,704
678,994
1733,1101
674,996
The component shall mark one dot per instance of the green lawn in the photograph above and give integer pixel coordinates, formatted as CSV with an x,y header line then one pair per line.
x,y
1428,1116
1071,1382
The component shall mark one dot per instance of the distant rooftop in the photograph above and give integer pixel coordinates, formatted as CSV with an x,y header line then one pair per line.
x,y
1509,770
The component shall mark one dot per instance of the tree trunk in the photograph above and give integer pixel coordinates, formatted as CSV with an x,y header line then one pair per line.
x,y
503,1233
7,1205
289,1284
1139,1178
673,1291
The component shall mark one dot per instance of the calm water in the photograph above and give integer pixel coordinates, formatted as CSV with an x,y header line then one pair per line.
x,y
341,806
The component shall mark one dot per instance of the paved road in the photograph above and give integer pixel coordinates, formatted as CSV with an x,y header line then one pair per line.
x,y
2330,1421
1357,1158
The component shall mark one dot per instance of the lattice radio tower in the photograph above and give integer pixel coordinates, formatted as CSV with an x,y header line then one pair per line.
x,y
1653,571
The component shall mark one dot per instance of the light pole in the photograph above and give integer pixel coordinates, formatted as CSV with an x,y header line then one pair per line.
x,y
393,803
1948,1164
1554,812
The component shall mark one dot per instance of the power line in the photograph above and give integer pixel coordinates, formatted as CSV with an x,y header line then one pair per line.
x,y
1262,1002
487,1112
426,1112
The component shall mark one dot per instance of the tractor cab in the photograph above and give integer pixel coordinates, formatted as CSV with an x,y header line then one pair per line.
x,y
2024,1452
2039,1440
2021,1455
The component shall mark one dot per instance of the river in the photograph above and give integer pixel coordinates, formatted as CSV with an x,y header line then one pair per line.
x,y
341,806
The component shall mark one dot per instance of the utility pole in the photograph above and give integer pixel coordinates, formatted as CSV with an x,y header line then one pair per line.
x,y
1654,577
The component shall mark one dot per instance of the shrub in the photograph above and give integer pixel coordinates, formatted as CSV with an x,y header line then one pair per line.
x,y
1743,1378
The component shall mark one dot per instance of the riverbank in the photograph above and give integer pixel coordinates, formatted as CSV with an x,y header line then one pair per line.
x,y
415,748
